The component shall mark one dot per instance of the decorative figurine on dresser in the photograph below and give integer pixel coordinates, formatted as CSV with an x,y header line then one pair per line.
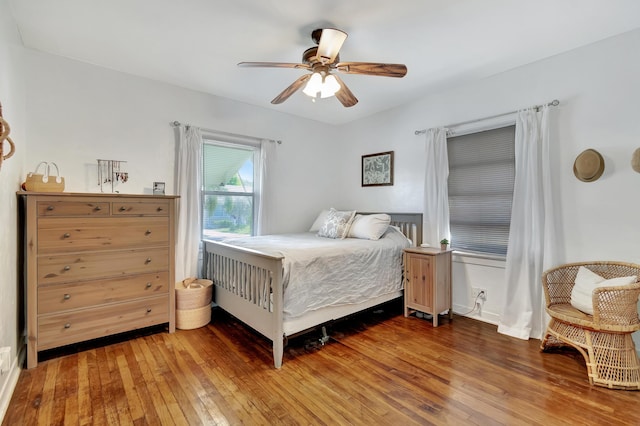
x,y
96,265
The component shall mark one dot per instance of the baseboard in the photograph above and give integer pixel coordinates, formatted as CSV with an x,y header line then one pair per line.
x,y
482,315
8,387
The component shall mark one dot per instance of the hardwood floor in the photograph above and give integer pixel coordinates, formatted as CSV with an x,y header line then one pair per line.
x,y
377,368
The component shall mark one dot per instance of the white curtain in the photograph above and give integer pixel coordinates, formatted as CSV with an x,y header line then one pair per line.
x,y
263,210
436,194
532,227
188,185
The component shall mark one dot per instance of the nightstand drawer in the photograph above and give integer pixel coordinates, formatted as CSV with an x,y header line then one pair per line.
x,y
87,266
63,235
75,326
68,296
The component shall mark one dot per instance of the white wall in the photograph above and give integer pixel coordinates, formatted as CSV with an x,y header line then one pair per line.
x,y
79,112
598,88
12,97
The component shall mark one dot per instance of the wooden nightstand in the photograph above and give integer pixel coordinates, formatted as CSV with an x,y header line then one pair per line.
x,y
427,281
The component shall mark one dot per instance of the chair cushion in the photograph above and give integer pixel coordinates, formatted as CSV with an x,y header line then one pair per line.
x,y
586,281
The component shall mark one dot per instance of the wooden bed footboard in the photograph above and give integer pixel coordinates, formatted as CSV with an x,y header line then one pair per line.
x,y
248,285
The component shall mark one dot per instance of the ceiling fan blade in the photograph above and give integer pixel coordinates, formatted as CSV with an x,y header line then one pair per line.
x,y
330,43
372,68
344,95
273,65
291,89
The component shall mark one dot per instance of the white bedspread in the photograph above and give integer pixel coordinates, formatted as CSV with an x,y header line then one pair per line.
x,y
320,272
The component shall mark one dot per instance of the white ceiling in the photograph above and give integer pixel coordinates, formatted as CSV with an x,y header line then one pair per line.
x,y
196,44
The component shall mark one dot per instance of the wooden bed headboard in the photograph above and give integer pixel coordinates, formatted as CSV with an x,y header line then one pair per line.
x,y
409,223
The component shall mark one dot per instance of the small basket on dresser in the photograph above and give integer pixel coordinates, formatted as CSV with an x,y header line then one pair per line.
x,y
193,303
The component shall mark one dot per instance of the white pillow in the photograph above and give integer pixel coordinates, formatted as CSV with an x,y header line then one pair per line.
x,y
322,217
369,227
587,281
337,224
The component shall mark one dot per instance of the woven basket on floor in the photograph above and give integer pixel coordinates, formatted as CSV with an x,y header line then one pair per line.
x,y
188,319
193,303
193,293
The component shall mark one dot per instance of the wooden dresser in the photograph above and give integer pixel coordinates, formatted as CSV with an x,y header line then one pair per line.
x,y
427,281
96,265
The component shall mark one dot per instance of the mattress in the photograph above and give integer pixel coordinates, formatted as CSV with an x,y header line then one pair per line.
x,y
321,272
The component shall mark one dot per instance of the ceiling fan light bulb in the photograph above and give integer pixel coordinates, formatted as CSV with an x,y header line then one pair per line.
x,y
330,86
314,85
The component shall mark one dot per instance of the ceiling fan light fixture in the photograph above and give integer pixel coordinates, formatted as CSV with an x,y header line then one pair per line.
x,y
331,41
321,85
314,85
329,87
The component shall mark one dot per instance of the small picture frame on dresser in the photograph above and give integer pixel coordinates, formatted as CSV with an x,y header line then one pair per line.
x,y
158,188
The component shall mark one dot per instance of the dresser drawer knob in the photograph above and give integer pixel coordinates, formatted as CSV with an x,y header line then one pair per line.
x,y
148,285
67,325
67,296
98,208
147,232
159,209
148,310
148,260
123,208
67,268
50,208
66,235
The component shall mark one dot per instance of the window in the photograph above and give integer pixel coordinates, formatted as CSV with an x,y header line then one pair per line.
x,y
480,184
228,199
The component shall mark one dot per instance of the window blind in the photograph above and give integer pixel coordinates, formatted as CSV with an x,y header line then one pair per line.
x,y
481,178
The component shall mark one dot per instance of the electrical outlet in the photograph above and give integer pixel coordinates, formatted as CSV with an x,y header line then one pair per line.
x,y
5,359
475,291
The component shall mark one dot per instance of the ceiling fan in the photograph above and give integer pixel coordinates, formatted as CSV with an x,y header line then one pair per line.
x,y
323,61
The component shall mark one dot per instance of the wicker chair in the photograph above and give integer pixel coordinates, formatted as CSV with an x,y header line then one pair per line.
x,y
604,338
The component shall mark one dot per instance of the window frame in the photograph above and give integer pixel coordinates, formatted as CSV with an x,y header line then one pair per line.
x,y
255,148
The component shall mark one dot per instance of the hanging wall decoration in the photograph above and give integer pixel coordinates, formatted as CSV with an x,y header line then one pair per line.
x,y
6,150
635,160
377,169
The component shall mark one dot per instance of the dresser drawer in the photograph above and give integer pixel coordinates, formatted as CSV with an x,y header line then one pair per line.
x,y
88,266
141,208
63,235
61,297
75,326
73,208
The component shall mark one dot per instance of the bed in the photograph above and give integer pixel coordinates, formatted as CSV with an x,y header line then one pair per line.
x,y
267,284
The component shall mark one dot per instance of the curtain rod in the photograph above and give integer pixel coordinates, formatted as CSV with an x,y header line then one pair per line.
x,y
235,135
554,102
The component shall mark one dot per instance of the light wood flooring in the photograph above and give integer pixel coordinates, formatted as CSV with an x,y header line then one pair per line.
x,y
378,368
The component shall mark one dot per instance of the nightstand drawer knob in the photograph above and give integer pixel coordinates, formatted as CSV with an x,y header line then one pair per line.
x,y
67,325
147,232
66,235
148,260
67,296
50,208
98,208
67,268
148,310
148,285
123,208
159,209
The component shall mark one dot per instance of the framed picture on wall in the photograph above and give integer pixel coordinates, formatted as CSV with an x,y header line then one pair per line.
x,y
377,169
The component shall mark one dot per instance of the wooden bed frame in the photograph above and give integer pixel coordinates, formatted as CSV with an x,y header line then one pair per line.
x,y
248,285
